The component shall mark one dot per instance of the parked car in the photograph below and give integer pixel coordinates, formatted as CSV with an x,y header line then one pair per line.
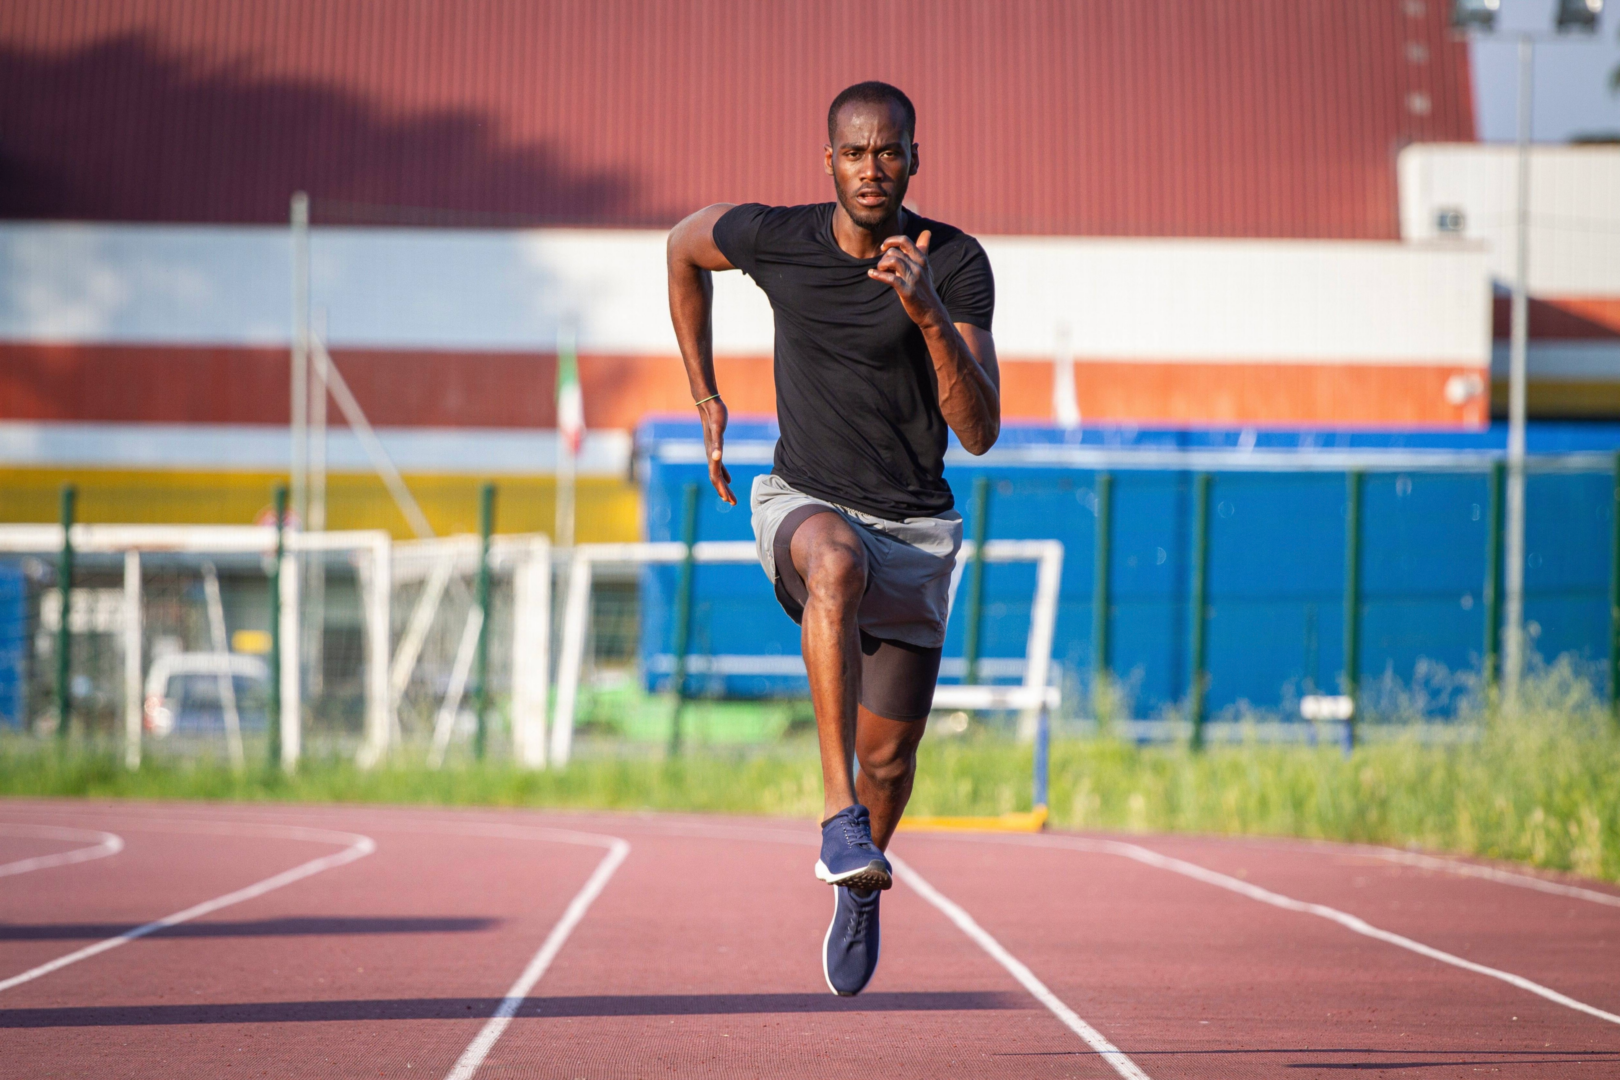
x,y
185,693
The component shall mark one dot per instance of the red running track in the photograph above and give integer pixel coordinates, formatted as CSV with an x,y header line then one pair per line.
x,y
687,946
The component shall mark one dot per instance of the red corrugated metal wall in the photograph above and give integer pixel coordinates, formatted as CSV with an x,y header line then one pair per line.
x,y
1113,117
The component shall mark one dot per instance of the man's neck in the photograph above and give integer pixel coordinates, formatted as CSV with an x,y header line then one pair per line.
x,y
860,242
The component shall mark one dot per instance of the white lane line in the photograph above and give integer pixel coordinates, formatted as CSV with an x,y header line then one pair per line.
x,y
964,922
1492,873
472,1057
1343,918
358,848
105,844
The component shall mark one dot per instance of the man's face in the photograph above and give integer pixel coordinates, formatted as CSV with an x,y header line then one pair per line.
x,y
871,161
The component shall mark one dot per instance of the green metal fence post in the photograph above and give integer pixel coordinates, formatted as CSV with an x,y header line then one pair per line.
x,y
1200,608
64,629
975,611
1614,600
1099,592
486,526
1493,582
683,615
273,712
1352,601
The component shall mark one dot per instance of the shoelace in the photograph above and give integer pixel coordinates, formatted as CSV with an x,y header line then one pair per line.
x,y
854,837
857,924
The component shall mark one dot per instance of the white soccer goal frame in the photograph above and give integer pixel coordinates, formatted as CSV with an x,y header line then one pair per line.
x,y
1030,698
375,567
450,560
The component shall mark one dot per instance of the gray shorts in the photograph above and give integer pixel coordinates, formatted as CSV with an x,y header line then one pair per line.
x,y
908,584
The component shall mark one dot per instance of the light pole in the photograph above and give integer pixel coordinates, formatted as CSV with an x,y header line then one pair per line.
x,y
1573,15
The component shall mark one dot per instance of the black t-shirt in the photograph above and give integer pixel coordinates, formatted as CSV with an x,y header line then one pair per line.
x,y
856,395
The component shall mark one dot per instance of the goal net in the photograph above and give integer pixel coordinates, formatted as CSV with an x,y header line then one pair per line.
x,y
194,639
164,641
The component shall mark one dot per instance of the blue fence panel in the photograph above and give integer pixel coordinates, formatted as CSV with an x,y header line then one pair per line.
x,y
1277,549
13,643
1569,523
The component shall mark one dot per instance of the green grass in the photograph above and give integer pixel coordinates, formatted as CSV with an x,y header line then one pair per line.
x,y
1540,785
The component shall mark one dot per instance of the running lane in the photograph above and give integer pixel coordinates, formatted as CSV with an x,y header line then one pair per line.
x,y
1193,980
703,958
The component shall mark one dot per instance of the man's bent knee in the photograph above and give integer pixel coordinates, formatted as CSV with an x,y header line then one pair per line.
x,y
837,572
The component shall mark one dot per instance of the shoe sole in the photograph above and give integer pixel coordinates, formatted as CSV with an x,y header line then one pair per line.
x,y
827,975
874,875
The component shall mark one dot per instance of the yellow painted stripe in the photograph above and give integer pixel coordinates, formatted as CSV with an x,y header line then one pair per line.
x,y
1554,398
1031,821
608,509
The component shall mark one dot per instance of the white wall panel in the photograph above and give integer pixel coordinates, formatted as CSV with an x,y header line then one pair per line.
x,y
1574,210
1195,300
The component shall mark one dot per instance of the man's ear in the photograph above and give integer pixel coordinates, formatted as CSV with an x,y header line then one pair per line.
x,y
827,158
913,171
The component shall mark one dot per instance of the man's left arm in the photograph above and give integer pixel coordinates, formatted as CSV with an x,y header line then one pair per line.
x,y
964,355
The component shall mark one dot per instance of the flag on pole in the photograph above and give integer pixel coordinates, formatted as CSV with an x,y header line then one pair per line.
x,y
570,404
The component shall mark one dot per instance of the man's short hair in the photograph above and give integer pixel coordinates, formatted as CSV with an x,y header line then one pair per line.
x,y
871,93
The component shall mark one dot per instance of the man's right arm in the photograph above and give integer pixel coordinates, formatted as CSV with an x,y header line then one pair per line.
x,y
692,255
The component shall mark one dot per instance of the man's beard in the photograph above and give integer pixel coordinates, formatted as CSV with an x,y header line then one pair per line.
x,y
869,217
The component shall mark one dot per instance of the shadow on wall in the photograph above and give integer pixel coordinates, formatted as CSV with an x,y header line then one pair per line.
x,y
123,130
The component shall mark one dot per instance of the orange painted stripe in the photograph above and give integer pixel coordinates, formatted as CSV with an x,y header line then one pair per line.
x,y
190,385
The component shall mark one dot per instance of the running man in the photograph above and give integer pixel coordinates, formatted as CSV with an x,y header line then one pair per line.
x,y
882,340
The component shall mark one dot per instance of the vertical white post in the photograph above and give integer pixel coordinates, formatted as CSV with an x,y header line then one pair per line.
x,y
531,653
1065,405
227,681
315,522
1042,627
1513,613
132,660
292,704
378,582
299,417
575,616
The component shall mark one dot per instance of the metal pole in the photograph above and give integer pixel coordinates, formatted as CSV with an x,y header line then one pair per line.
x,y
486,526
1100,600
1352,601
314,569
299,418
1198,616
132,659
1043,759
273,712
1614,599
975,611
64,629
1493,583
683,615
1513,628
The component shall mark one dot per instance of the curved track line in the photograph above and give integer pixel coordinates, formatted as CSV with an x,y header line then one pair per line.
x,y
472,1057
964,922
106,844
1343,918
1492,873
358,848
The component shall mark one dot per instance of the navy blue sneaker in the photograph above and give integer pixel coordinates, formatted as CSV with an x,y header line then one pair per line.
x,y
848,856
849,953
